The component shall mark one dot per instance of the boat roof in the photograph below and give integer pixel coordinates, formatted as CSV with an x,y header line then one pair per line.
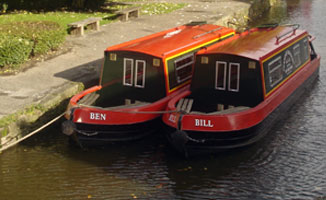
x,y
257,43
175,40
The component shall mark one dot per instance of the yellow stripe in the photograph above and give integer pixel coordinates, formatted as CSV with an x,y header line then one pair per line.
x,y
278,85
184,52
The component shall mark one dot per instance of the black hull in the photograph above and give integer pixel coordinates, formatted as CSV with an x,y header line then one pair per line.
x,y
87,135
191,143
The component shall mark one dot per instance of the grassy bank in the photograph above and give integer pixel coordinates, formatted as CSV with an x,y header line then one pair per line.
x,y
65,17
18,42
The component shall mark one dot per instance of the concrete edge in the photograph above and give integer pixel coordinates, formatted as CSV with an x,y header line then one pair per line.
x,y
36,114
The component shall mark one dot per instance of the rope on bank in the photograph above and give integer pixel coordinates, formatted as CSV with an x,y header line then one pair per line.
x,y
32,133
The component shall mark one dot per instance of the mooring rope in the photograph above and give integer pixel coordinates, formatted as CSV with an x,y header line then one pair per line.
x,y
32,133
147,112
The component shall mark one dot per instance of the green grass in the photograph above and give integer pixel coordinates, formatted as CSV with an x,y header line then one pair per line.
x,y
160,8
61,17
64,17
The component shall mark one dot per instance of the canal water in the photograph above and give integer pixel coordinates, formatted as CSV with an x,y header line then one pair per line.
x,y
290,163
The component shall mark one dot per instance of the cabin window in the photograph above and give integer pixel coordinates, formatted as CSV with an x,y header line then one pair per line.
x,y
275,71
183,67
234,77
140,73
305,54
127,71
220,75
296,52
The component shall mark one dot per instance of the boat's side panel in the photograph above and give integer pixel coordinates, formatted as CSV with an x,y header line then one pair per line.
x,y
282,64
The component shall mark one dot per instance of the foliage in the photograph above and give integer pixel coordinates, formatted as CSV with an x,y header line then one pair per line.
x,y
14,50
61,17
4,7
46,30
28,38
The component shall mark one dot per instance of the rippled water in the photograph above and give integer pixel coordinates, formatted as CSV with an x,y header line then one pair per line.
x,y
290,163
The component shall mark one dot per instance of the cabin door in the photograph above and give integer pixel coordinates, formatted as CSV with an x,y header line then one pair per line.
x,y
134,73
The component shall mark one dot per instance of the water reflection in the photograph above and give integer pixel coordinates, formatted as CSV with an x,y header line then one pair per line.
x,y
288,164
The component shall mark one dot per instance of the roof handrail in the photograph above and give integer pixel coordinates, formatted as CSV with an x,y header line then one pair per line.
x,y
268,25
208,32
294,28
196,23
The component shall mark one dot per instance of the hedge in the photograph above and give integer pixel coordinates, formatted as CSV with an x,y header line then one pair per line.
x,y
42,36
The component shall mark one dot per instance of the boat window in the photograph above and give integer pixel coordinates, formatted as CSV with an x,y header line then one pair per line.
x,y
305,49
127,71
296,52
220,75
275,71
183,67
234,77
140,73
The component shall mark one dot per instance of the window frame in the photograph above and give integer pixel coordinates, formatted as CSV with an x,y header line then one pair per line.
x,y
224,76
279,58
177,68
306,49
297,54
238,76
124,71
143,75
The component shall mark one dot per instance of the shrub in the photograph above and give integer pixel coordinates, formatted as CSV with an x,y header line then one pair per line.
x,y
14,50
45,35
20,40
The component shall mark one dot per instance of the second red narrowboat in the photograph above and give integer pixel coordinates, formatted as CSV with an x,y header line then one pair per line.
x,y
240,89
138,78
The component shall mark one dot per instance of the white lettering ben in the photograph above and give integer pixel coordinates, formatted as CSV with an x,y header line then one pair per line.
x,y
97,116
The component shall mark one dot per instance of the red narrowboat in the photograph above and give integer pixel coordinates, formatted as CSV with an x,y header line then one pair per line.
x,y
138,79
240,89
